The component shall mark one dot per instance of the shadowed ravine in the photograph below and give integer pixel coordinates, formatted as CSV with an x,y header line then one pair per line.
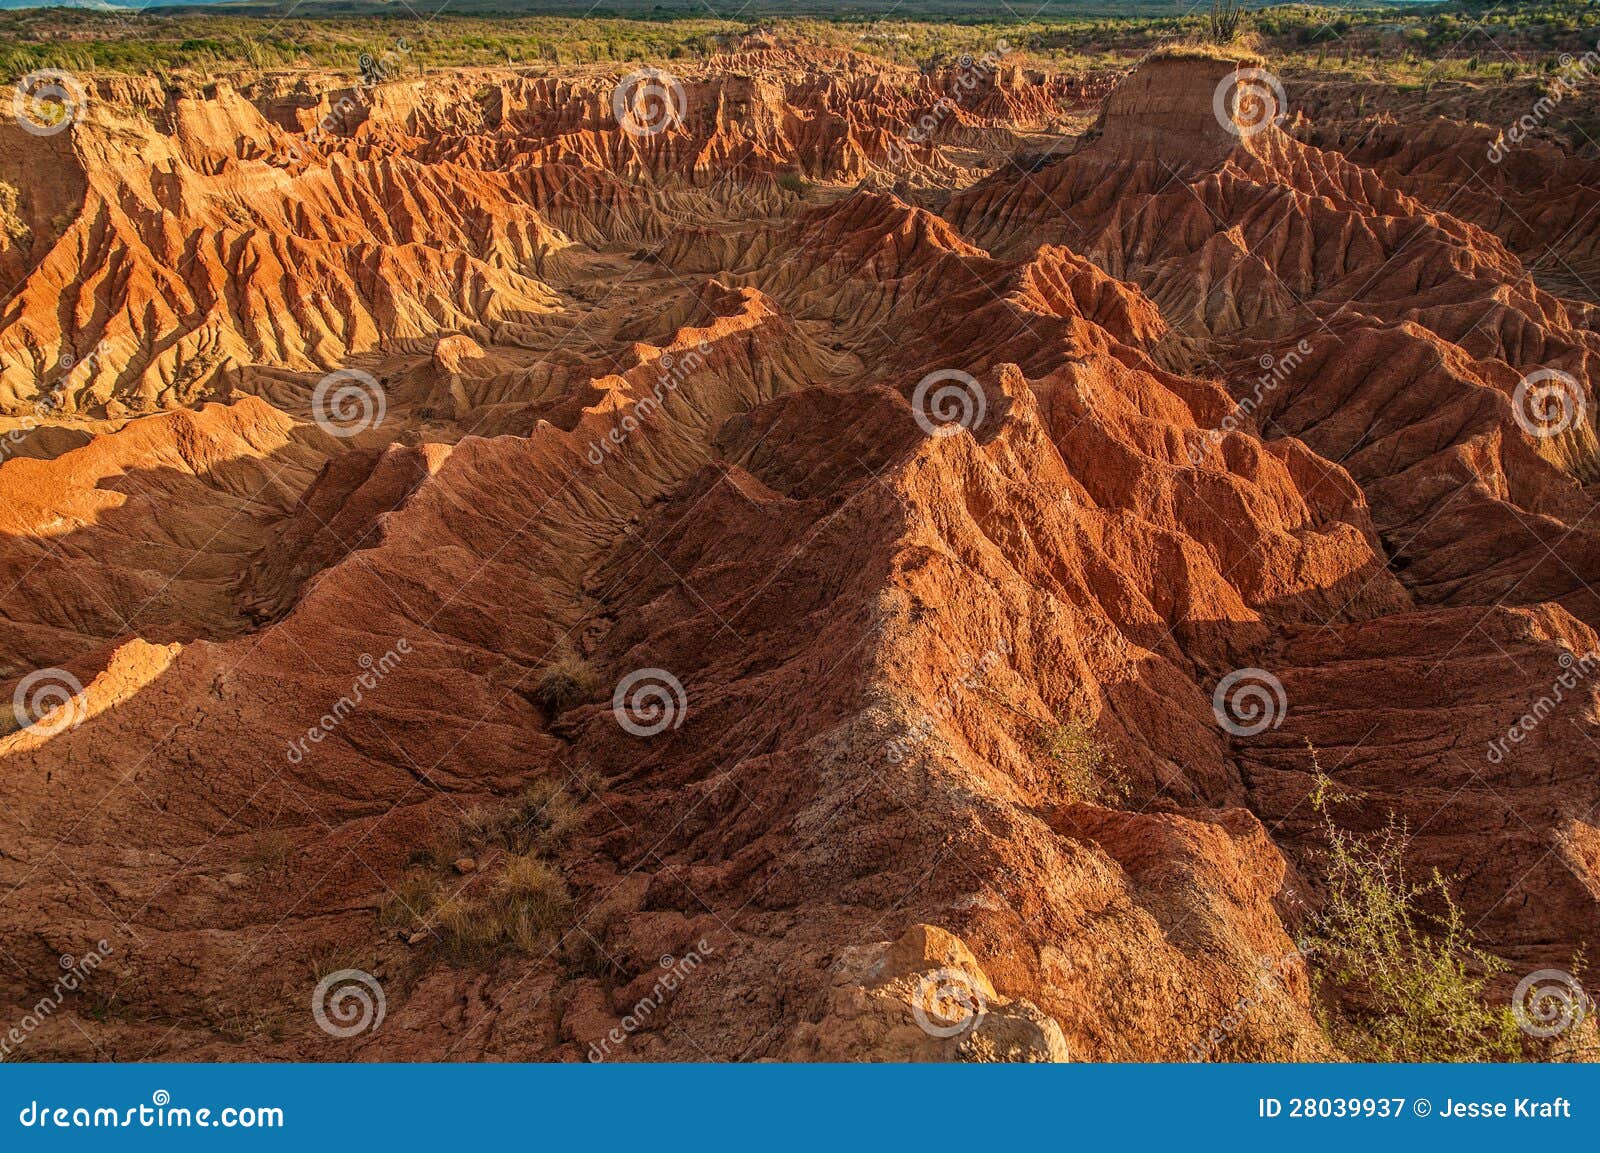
x,y
709,532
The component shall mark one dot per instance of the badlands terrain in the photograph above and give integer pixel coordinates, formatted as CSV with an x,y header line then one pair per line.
x,y
623,565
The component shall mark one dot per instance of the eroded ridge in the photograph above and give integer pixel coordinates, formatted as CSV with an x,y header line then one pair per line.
x,y
803,545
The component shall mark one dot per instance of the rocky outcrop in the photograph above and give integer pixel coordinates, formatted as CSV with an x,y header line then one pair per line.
x,y
890,499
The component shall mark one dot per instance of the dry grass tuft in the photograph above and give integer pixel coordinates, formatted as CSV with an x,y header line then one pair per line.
x,y
268,851
479,919
1228,55
566,681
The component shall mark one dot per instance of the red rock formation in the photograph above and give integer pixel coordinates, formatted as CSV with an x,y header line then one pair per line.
x,y
648,408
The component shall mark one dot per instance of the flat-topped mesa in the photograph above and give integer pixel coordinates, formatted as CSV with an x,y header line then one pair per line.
x,y
1180,106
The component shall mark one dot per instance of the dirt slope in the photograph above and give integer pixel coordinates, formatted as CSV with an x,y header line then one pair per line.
x,y
868,428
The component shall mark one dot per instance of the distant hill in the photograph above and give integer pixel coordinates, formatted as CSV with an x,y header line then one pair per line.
x,y
649,9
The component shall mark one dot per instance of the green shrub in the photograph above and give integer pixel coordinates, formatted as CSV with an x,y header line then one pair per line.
x,y
1081,763
1394,981
1224,22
